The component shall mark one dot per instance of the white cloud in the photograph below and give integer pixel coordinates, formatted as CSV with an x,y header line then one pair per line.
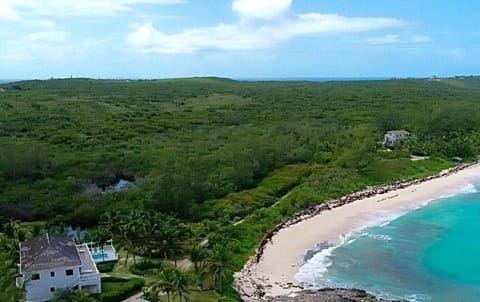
x,y
246,35
46,41
10,9
7,12
261,9
387,39
421,39
396,39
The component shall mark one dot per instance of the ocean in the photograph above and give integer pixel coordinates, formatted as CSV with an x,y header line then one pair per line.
x,y
4,81
311,79
429,254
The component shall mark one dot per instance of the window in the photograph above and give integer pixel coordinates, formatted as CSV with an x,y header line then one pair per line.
x,y
52,274
52,289
35,276
69,272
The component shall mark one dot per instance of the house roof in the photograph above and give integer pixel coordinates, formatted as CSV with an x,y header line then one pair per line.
x,y
398,132
48,252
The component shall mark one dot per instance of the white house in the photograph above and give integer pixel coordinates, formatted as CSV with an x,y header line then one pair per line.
x,y
49,263
394,136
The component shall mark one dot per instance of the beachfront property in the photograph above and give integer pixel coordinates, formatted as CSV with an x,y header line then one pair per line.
x,y
49,263
395,136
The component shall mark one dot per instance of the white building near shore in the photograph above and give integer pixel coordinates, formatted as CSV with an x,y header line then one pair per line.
x,y
49,263
395,136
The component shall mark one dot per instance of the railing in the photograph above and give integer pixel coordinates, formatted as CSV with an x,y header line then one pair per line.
x,y
92,279
88,277
71,283
19,281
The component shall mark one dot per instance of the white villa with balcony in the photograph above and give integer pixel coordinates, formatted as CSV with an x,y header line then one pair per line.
x,y
395,136
50,262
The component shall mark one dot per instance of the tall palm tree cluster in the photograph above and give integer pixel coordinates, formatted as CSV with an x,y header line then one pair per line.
x,y
165,238
172,283
144,234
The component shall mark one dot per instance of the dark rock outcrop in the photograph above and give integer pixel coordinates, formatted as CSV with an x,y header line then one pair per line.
x,y
332,295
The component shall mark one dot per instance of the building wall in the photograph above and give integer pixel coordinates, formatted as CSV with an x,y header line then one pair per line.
x,y
391,139
39,290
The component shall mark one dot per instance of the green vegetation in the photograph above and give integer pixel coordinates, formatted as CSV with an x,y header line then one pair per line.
x,y
105,267
72,296
116,289
211,161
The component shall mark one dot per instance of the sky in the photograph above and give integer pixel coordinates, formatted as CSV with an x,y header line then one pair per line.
x,y
238,38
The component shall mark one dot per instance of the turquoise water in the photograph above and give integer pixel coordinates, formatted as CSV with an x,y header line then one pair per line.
x,y
429,254
100,257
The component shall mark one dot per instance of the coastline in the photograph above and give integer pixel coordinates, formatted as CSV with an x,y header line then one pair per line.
x,y
271,272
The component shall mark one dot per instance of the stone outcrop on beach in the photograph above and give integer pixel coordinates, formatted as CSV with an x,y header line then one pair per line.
x,y
332,295
253,289
331,204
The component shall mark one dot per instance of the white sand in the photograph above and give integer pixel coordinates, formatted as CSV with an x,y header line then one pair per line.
x,y
282,258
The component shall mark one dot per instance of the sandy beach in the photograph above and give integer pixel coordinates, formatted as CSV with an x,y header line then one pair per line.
x,y
281,258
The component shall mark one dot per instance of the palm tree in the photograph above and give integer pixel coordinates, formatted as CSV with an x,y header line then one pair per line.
x,y
181,284
9,292
197,255
132,228
111,222
168,241
219,261
11,228
172,282
9,246
166,284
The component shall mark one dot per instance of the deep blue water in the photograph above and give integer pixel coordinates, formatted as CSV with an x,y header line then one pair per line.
x,y
429,254
6,81
312,79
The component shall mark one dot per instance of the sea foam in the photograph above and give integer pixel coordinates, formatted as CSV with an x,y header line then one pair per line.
x,y
407,256
468,189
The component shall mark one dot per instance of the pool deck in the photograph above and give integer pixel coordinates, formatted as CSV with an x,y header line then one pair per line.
x,y
109,251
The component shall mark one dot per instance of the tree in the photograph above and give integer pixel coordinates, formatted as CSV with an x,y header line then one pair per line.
x,y
172,282
9,292
181,286
198,255
219,261
166,284
111,222
389,120
167,240
132,229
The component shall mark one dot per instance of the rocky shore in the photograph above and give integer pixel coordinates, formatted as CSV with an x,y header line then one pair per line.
x,y
254,286
331,204
332,295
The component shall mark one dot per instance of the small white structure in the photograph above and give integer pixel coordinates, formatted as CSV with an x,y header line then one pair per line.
x,y
395,136
49,263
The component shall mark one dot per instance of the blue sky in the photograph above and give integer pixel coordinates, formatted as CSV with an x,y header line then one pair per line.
x,y
238,38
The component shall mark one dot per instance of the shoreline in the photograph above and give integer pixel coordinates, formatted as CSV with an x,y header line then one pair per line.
x,y
271,271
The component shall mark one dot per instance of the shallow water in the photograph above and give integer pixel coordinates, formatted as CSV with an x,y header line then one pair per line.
x,y
429,254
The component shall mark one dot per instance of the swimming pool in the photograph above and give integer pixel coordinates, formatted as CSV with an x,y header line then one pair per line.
x,y
100,257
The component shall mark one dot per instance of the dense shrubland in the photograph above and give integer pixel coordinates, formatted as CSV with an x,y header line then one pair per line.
x,y
207,153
